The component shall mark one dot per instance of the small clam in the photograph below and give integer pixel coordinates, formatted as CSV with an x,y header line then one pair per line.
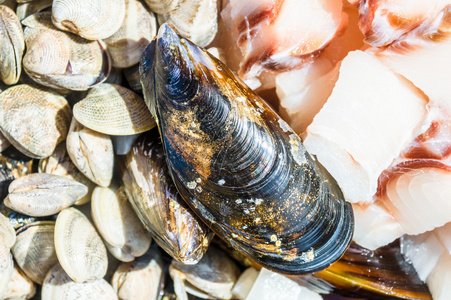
x,y
34,250
112,109
238,165
22,107
127,45
162,6
117,223
142,278
20,286
62,60
157,203
41,194
59,286
59,163
90,19
196,20
24,10
12,46
79,247
91,152
6,268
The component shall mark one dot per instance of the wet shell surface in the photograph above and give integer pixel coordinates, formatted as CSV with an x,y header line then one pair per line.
x,y
117,223
91,152
62,60
196,20
151,191
7,232
59,286
41,194
79,248
12,46
112,109
238,165
22,107
162,6
90,19
20,286
34,250
6,268
127,45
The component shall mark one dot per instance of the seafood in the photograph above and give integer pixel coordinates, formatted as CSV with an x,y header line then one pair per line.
x,y
27,9
238,165
157,203
7,233
132,76
20,286
3,142
162,6
6,268
11,168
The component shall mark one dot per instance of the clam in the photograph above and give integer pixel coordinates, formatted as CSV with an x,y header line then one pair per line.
x,y
7,232
59,163
34,250
41,194
133,79
162,6
22,107
24,10
3,142
238,165
59,286
91,152
20,286
17,220
10,169
113,109
12,46
90,19
6,268
117,223
142,278
196,20
123,143
127,45
157,203
79,247
62,60
10,3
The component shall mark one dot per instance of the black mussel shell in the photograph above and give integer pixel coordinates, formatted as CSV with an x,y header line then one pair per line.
x,y
157,203
238,165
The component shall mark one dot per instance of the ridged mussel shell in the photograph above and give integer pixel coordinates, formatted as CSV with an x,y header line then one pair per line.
x,y
239,166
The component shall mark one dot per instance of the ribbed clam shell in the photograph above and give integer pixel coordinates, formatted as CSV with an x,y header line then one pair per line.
x,y
6,268
238,165
34,250
7,232
127,45
196,20
162,6
90,19
117,223
20,286
60,59
59,163
157,203
33,120
12,46
42,194
140,279
24,10
91,152
115,110
79,248
59,286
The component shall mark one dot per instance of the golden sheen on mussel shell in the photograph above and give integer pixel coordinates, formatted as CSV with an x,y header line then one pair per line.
x,y
239,166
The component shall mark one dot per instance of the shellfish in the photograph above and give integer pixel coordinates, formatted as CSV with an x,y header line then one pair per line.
x,y
238,165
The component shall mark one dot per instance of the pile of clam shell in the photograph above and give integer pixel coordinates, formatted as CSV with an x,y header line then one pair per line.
x,y
125,148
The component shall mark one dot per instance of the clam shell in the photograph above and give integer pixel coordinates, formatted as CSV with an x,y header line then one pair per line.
x,y
90,19
41,194
157,203
3,142
12,46
7,232
22,107
79,248
118,224
20,286
59,286
91,152
133,78
6,268
115,110
162,6
34,250
62,60
59,163
238,165
196,20
24,10
10,3
127,45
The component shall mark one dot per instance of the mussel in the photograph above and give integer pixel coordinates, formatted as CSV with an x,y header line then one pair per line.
x,y
238,165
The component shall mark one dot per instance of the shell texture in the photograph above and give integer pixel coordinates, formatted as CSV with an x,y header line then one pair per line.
x,y
12,46
3,142
162,6
157,203
7,232
112,109
79,247
238,165
20,286
90,19
6,268
133,79
22,107
27,9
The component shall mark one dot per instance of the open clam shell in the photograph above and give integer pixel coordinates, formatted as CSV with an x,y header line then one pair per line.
x,y
22,107
238,165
